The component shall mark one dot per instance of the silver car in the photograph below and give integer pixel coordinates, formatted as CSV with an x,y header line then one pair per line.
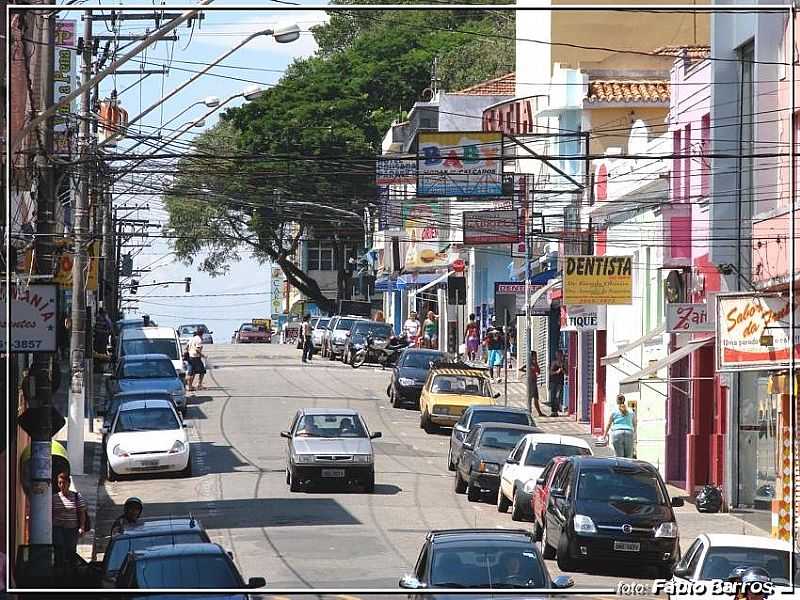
x,y
332,445
320,327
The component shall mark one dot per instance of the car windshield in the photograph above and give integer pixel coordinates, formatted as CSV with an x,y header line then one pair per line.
x,y
499,416
721,561
379,331
146,419
204,571
190,329
345,324
322,323
620,484
120,547
540,454
147,369
460,384
330,426
248,328
420,360
487,565
506,439
151,346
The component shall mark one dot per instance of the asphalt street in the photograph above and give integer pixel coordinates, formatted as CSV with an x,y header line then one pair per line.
x,y
331,538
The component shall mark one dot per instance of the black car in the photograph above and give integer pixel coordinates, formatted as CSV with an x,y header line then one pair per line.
x,y
193,566
409,375
482,414
481,558
614,509
486,448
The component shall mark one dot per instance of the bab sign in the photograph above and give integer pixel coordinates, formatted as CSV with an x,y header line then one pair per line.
x,y
33,318
598,280
460,164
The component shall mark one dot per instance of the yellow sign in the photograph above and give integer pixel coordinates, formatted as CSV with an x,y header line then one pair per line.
x,y
65,259
598,280
262,322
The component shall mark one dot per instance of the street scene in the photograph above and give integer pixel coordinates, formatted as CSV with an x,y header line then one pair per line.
x,y
364,301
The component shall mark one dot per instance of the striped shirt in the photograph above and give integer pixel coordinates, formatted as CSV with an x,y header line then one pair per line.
x,y
65,509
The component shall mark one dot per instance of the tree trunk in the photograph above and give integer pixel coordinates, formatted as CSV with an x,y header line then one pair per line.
x,y
304,283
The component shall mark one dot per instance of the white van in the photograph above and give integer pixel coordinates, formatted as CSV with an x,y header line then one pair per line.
x,y
153,340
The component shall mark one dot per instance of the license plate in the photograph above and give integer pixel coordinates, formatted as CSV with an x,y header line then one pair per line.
x,y
333,472
148,463
627,546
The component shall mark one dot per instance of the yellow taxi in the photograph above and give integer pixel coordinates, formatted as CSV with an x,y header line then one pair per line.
x,y
449,390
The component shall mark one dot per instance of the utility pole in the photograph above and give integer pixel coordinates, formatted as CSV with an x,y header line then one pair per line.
x,y
80,264
41,524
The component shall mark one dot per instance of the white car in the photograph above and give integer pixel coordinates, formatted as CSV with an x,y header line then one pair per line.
x,y
147,436
525,464
153,340
319,329
714,556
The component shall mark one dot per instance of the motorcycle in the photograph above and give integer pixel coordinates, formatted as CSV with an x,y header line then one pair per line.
x,y
385,357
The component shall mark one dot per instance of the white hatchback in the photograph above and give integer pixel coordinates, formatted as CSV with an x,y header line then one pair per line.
x,y
525,465
147,436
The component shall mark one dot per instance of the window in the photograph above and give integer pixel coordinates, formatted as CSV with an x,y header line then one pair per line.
x,y
147,369
496,416
721,561
460,384
489,564
151,346
540,454
561,477
547,470
121,547
472,435
204,571
677,180
320,256
504,439
464,418
330,426
146,419
687,163
422,564
621,484
519,450
705,150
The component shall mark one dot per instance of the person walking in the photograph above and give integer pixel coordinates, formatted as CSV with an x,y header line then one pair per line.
x,y
472,340
494,346
430,331
131,511
533,382
622,425
70,517
412,328
305,331
196,366
556,383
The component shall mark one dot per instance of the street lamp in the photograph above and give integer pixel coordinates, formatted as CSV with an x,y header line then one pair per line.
x,y
211,102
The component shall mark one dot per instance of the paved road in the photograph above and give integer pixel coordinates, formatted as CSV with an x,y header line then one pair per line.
x,y
322,539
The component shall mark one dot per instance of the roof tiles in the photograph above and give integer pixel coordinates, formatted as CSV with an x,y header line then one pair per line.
x,y
501,86
617,90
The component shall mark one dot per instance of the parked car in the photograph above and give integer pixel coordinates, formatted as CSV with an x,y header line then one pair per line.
x,y
480,558
525,465
715,556
540,495
356,338
182,566
148,372
612,509
449,390
335,340
186,333
409,375
146,534
253,334
112,406
147,436
329,445
153,340
480,413
135,323
317,333
486,448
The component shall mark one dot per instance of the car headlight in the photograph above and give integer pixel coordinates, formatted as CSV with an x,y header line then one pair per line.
x,y
406,381
304,458
530,486
667,530
487,467
583,524
362,458
118,451
177,447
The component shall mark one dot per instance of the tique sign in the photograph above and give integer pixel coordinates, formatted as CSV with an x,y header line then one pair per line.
x,y
583,317
689,318
753,332
460,164
33,318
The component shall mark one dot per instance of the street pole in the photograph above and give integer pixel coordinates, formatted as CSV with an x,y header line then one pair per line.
x,y
792,299
528,332
80,265
41,523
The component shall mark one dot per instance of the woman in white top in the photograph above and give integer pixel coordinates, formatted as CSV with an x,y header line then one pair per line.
x,y
412,327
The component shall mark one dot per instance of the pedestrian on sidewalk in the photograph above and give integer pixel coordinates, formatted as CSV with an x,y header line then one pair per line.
x,y
430,331
131,511
533,382
305,331
412,328
472,338
196,366
494,346
622,424
69,520
556,383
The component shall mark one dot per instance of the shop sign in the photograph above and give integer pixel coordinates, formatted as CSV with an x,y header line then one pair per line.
x,y
396,171
512,293
460,164
425,221
65,81
277,290
689,318
515,117
583,317
491,227
428,256
33,312
65,259
598,280
753,332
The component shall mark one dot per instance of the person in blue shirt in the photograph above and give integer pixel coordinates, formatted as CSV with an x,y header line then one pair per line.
x,y
622,424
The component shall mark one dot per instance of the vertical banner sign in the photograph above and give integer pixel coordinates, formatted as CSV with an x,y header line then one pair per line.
x,y
460,164
277,291
383,207
598,280
65,81
427,248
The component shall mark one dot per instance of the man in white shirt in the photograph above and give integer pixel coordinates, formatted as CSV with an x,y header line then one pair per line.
x,y
412,327
305,331
196,366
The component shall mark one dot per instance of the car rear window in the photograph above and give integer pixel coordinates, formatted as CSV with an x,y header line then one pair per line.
x,y
721,561
620,484
120,547
498,416
323,323
345,324
206,571
541,454
146,419
420,360
147,369
505,439
166,346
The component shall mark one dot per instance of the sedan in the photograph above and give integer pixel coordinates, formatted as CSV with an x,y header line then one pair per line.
x,y
186,333
317,333
409,375
541,493
480,413
140,372
329,445
525,465
147,436
253,334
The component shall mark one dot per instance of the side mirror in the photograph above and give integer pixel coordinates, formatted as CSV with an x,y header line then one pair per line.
x,y
681,571
210,333
229,553
409,582
511,461
563,582
256,582
104,429
496,395
676,502
375,434
186,426
557,493
540,481
286,434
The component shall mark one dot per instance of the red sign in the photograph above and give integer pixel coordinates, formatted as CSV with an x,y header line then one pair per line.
x,y
459,265
515,117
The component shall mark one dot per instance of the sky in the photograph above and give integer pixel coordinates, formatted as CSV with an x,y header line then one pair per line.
x,y
261,61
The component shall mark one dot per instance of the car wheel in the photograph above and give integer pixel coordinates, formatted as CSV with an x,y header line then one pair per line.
x,y
473,493
518,510
294,484
187,471
369,485
331,355
537,531
427,424
502,501
287,477
450,465
110,474
564,560
461,486
548,552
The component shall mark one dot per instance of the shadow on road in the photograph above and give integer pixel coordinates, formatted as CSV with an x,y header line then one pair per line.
x,y
195,412
194,399
215,458
381,489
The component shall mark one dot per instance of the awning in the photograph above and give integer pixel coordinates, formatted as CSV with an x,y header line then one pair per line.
x,y
631,383
414,280
543,277
624,349
384,284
